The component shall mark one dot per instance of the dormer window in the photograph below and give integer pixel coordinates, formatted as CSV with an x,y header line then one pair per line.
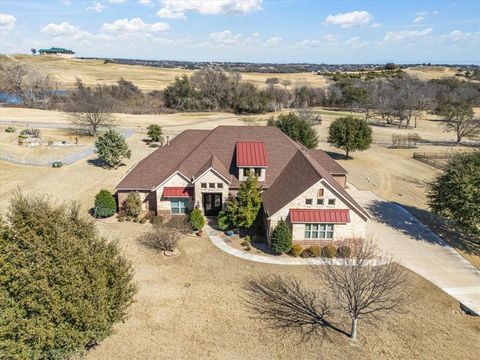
x,y
251,158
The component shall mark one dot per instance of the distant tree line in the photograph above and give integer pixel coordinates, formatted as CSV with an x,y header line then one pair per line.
x,y
397,101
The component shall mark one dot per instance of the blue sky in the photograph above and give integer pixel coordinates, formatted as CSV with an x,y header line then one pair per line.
x,y
248,30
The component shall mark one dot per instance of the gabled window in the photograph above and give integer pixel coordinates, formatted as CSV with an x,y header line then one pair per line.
x,y
203,185
219,185
211,185
320,193
308,201
331,202
319,201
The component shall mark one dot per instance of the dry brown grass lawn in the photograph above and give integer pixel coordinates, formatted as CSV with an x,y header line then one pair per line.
x,y
191,306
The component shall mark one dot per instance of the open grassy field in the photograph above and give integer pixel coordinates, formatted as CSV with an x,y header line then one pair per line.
x,y
65,71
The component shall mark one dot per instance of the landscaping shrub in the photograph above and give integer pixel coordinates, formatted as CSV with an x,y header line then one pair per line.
x,y
246,241
10,129
329,251
197,221
296,250
133,204
143,220
248,248
156,220
344,251
122,219
281,238
306,253
128,218
162,238
179,223
105,205
315,250
62,286
136,219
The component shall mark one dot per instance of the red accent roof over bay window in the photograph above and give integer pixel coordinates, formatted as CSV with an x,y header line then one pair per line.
x,y
319,216
177,192
251,154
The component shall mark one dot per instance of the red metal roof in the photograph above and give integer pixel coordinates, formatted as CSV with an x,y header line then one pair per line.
x,y
251,154
319,216
178,192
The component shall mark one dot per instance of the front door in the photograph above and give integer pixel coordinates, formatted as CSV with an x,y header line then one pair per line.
x,y
212,203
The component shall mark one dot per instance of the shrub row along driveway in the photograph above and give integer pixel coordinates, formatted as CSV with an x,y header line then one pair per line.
x,y
411,243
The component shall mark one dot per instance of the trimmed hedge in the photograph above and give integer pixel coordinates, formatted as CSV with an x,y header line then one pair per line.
x,y
105,204
296,250
344,251
329,251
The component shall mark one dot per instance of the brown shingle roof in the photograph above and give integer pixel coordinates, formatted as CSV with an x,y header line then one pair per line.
x,y
291,167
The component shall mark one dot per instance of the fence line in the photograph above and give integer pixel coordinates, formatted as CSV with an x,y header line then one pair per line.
x,y
66,160
432,159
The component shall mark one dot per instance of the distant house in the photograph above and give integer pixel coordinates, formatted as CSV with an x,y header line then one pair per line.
x,y
56,51
202,168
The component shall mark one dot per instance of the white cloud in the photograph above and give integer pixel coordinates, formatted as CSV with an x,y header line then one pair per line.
x,y
272,42
418,19
63,28
169,14
458,35
145,2
176,9
309,43
226,37
356,43
7,22
407,34
117,1
376,25
350,19
96,6
329,37
65,32
134,25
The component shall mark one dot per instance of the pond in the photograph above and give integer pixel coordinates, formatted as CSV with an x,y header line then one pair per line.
x,y
9,98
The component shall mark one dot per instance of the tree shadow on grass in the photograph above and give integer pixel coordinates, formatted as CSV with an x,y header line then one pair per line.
x,y
286,306
337,156
97,162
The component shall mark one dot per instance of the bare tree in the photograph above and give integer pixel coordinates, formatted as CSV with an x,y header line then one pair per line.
x,y
287,305
460,118
366,284
28,84
90,109
286,83
308,115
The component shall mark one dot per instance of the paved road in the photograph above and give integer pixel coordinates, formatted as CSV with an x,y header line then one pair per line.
x,y
413,245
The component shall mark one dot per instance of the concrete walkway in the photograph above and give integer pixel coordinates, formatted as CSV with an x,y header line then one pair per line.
x,y
222,245
412,244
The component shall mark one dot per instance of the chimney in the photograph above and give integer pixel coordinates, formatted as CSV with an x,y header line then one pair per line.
x,y
168,140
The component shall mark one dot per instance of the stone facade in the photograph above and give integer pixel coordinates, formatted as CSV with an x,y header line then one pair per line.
x,y
356,228
210,177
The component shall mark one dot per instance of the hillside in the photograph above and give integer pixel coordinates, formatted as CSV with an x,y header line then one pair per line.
x,y
64,72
